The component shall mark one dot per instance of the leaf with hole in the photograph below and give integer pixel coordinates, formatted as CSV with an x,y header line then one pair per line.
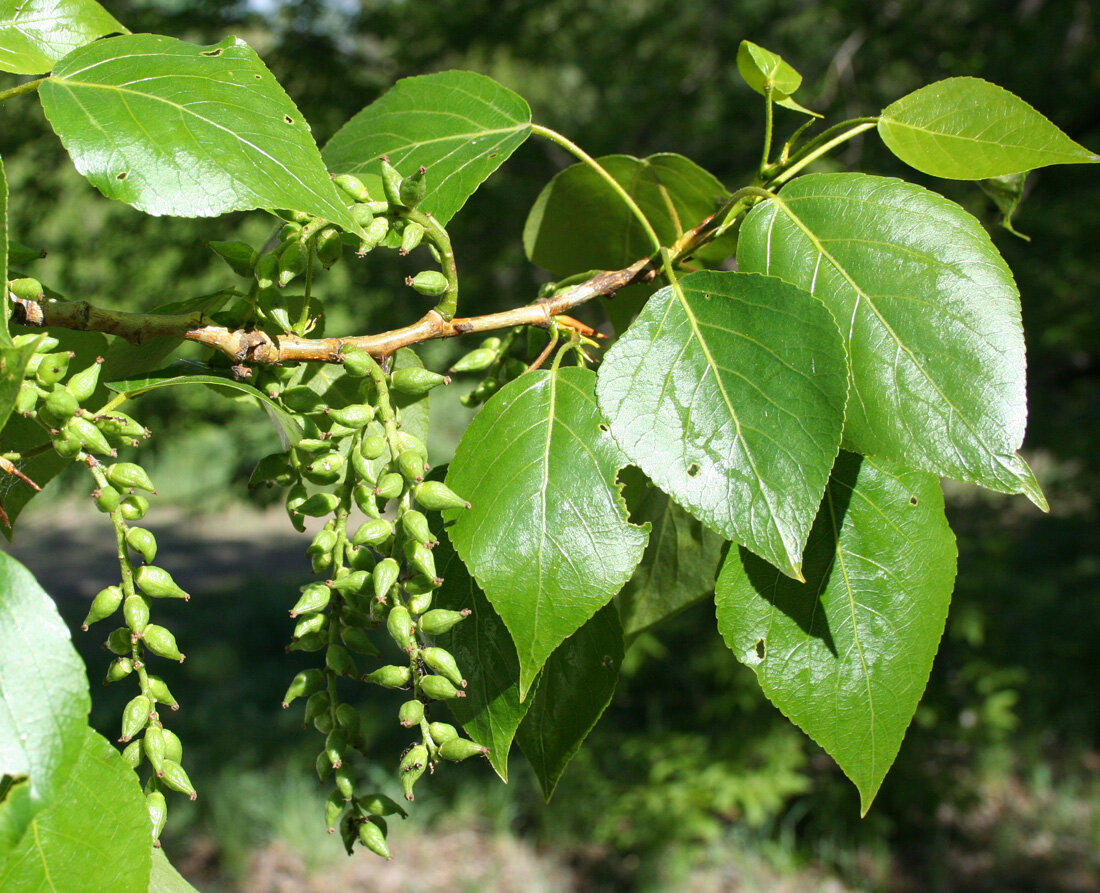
x,y
846,655
969,129
580,223
729,394
35,34
547,537
190,131
929,312
459,125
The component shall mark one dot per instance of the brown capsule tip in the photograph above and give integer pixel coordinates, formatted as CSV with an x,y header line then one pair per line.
x,y
464,683
124,740
422,170
84,627
408,280
160,773
286,705
193,796
402,251
331,830
156,844
183,657
460,694
174,707
292,614
410,797
337,764
466,612
187,596
446,379
385,158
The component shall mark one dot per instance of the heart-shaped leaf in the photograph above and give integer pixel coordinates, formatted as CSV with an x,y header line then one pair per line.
x,y
190,131
761,69
43,702
970,129
680,561
846,655
573,691
34,34
730,396
930,314
547,537
580,223
491,711
460,125
94,836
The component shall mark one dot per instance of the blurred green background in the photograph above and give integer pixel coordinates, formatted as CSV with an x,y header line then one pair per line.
x,y
691,780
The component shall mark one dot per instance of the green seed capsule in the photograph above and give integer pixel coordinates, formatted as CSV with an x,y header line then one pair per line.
x,y
458,749
442,732
348,718
304,684
266,271
119,669
27,398
372,447
325,469
135,608
159,690
173,747
143,542
323,543
118,424
334,807
312,642
363,494
274,468
133,507
357,639
390,485
414,187
132,754
420,603
336,743
385,575
349,831
420,559
119,641
158,811
436,496
352,187
374,837
390,676
415,381
439,689
82,384
411,466
391,182
412,767
339,660
375,233
319,504
315,597
52,368
411,713
156,582
357,362
443,662
362,215
176,778
329,246
430,283
324,769
317,704
134,717
152,743
345,783
107,499
351,581
476,360
240,256
161,642
439,621
309,625
292,262
105,603
380,804
354,416
400,626
59,406
128,474
411,237
88,435
373,532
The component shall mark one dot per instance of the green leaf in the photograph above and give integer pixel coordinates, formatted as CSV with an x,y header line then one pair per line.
x,y
460,125
34,34
13,363
680,562
191,131
5,312
44,701
930,314
761,68
574,689
731,399
1006,192
580,223
95,835
846,655
970,129
186,372
547,538
163,877
491,711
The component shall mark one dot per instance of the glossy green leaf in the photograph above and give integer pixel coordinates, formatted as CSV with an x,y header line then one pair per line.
x,y
930,314
761,68
34,34
94,836
680,562
5,311
13,363
846,655
491,711
730,397
43,701
186,372
191,131
580,223
460,125
574,689
969,129
547,538
163,877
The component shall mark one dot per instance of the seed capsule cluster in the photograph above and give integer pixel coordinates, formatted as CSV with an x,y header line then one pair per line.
x,y
379,578
52,396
